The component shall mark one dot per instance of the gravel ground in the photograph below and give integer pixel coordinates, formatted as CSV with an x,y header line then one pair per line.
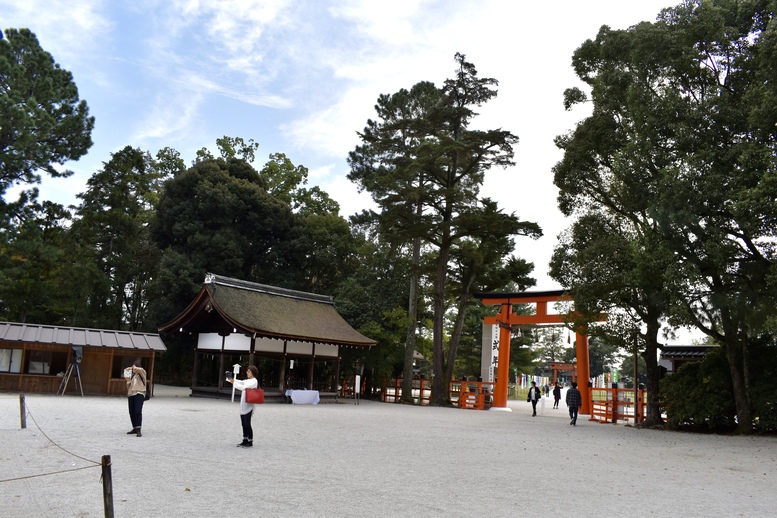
x,y
367,460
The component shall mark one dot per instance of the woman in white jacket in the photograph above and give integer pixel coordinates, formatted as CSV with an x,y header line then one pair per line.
x,y
246,409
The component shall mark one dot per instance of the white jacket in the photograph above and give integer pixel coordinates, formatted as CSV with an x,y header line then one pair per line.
x,y
242,385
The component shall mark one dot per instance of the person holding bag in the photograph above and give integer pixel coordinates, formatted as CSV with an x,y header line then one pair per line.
x,y
246,409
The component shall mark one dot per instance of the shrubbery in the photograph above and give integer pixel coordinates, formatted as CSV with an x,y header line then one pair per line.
x,y
700,396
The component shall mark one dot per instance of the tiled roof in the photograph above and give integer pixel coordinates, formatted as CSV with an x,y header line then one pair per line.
x,y
227,305
685,351
79,336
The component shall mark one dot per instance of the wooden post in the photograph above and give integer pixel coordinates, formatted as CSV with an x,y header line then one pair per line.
x,y
503,365
107,486
23,410
196,368
614,403
583,370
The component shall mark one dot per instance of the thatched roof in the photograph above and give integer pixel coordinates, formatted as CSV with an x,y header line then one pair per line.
x,y
225,305
79,336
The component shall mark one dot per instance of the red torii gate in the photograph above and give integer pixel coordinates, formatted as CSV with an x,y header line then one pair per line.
x,y
557,367
506,318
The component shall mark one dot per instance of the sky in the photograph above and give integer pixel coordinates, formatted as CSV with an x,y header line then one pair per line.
x,y
302,78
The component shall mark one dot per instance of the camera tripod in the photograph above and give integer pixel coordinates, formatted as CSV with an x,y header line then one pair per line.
x,y
66,378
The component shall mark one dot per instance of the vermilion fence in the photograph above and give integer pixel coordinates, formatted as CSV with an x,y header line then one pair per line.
x,y
422,391
475,395
610,405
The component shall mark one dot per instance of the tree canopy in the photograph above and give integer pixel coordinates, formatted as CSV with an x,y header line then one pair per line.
x,y
42,120
423,165
680,148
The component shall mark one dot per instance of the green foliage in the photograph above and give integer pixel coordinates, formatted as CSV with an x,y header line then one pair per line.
x,y
42,121
112,228
602,355
373,299
673,178
34,262
763,395
236,147
423,165
217,217
700,395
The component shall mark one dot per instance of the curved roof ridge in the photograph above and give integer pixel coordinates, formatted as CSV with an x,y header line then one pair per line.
x,y
212,278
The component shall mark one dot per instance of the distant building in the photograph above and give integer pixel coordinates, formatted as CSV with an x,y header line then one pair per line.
x,y
36,358
293,337
674,356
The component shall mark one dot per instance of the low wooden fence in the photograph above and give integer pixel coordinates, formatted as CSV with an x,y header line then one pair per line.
x,y
610,405
421,391
472,395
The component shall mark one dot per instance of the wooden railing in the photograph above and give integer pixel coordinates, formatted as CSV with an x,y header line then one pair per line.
x,y
473,395
610,405
421,391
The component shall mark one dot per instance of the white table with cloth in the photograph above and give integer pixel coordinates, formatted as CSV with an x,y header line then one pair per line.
x,y
303,397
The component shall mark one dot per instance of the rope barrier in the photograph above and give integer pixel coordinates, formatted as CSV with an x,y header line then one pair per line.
x,y
94,464
47,474
55,444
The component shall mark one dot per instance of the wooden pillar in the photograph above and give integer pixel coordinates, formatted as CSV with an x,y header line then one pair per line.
x,y
221,364
503,368
337,375
196,367
583,371
282,373
152,379
311,368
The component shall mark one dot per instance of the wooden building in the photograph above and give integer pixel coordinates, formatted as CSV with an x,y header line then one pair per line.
x,y
293,337
36,358
674,356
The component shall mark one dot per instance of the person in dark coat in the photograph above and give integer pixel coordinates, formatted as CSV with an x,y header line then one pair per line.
x,y
556,395
574,402
534,396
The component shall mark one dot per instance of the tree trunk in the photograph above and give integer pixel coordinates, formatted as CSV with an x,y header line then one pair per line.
x,y
439,383
456,336
412,313
653,417
735,353
464,304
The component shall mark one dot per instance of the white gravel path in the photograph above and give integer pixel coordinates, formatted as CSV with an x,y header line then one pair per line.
x,y
368,460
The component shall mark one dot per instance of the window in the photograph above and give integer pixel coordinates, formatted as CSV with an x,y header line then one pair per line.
x,y
10,360
45,362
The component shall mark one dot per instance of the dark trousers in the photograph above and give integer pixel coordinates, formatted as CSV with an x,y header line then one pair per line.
x,y
245,420
136,409
534,406
573,413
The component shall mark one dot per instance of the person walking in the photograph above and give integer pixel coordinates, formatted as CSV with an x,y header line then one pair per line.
x,y
556,395
246,409
574,401
534,396
136,394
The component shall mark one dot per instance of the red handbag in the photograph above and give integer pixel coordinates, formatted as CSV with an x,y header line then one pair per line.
x,y
255,396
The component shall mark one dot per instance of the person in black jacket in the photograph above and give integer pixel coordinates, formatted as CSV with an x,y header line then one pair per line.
x,y
534,396
556,395
574,402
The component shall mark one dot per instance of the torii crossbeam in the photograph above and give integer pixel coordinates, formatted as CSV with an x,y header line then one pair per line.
x,y
506,318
